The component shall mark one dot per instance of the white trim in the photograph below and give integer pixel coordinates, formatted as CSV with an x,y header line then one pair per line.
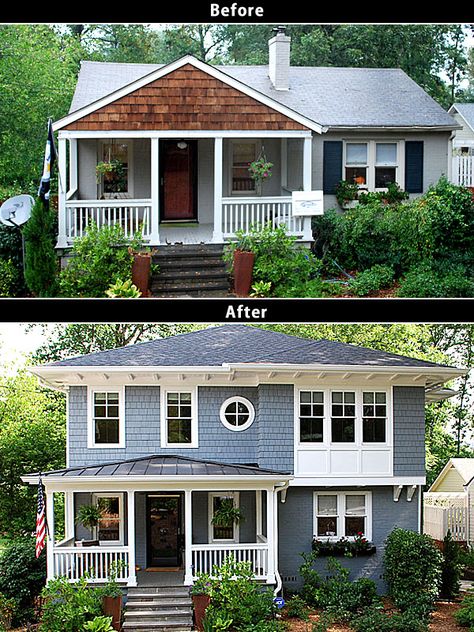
x,y
217,235
362,481
91,390
235,496
240,400
341,513
186,133
155,191
188,537
213,71
95,497
164,443
62,183
132,578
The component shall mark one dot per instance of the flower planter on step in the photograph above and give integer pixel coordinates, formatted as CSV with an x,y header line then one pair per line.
x,y
200,603
243,271
141,272
112,607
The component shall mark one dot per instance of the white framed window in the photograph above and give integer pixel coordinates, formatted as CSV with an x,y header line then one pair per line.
x,y
179,418
106,417
374,417
118,183
237,413
242,154
343,417
342,514
374,164
111,524
219,533
311,416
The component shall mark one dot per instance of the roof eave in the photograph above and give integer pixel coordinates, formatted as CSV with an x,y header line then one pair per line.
x,y
393,128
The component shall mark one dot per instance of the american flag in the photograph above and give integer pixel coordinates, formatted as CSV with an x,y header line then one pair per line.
x,y
40,521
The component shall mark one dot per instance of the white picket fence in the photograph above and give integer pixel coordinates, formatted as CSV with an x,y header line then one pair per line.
x,y
437,520
463,171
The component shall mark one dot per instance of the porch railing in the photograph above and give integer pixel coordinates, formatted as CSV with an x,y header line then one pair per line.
x,y
133,215
463,170
239,213
205,556
438,520
74,561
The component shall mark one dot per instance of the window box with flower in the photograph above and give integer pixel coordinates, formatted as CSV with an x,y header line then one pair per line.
x,y
357,546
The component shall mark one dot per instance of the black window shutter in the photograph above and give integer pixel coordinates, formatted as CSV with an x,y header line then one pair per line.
x,y
414,166
332,165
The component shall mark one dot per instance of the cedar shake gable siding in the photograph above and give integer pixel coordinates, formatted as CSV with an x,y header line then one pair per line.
x,y
185,99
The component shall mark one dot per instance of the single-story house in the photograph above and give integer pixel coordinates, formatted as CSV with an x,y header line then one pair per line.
x,y
165,149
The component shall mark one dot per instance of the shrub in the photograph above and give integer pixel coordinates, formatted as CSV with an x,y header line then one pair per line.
x,y
8,278
314,288
99,624
296,608
123,289
437,279
465,615
374,619
67,607
451,568
412,566
98,259
11,249
41,261
375,278
7,612
22,576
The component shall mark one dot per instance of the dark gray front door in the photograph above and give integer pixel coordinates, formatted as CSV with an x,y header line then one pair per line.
x,y
164,521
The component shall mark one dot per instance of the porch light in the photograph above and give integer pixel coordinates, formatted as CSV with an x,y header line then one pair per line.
x,y
182,144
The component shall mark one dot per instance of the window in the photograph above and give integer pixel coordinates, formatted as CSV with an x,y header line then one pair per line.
x,y
107,419
179,419
118,180
374,416
343,414
373,165
222,533
342,514
242,155
237,413
110,530
311,413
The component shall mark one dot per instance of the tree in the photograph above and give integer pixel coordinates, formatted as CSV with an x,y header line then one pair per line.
x,y
41,261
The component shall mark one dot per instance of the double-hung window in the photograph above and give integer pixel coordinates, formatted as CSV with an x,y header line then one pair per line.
x,y
374,417
342,514
179,419
117,181
311,416
111,527
243,153
106,423
373,165
222,532
343,416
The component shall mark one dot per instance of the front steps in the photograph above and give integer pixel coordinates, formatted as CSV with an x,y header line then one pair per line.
x,y
158,609
190,270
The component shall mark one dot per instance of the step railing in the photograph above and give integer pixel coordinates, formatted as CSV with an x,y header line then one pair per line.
x,y
97,561
206,556
240,213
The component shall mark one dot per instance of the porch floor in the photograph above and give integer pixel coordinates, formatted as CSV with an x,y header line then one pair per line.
x,y
160,578
186,233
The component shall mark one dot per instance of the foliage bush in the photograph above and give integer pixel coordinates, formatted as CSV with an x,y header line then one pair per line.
x,y
11,249
99,258
22,576
451,568
377,277
8,278
412,570
296,607
67,607
431,279
41,261
465,615
278,259
375,619
99,624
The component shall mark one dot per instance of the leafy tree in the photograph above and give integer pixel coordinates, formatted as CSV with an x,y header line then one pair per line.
x,y
41,261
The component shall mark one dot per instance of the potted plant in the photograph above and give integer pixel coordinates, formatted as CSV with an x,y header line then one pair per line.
x,y
347,194
141,270
260,170
88,516
227,514
200,594
112,595
112,172
243,259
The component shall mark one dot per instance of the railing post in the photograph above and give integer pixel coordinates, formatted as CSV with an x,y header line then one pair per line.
x,y
217,235
132,575
188,537
155,192
62,184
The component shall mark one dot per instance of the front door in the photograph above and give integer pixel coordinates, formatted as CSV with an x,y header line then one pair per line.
x,y
164,530
178,180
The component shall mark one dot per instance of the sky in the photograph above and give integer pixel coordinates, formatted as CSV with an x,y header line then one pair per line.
x,y
16,343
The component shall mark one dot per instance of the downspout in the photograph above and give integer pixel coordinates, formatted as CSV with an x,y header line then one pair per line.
x,y
281,487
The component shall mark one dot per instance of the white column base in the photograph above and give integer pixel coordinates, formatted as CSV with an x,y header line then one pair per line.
x,y
132,581
307,230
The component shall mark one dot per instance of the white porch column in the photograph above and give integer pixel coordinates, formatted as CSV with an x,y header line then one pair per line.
x,y
188,537
50,534
69,515
72,167
217,235
271,536
307,182
258,513
62,185
155,192
132,574
284,163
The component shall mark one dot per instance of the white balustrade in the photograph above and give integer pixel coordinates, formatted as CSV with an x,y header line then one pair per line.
x,y
73,561
134,216
205,556
240,213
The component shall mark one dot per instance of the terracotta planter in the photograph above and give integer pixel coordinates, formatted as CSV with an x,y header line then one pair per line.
x,y
243,270
112,607
200,603
141,272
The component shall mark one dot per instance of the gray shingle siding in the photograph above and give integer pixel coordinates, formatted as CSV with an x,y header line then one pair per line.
x,y
295,535
276,427
409,431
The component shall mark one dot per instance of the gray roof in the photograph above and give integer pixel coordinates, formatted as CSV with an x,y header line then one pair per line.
x,y
163,465
215,346
467,112
330,96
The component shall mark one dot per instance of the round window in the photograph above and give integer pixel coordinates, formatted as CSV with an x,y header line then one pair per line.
x,y
237,413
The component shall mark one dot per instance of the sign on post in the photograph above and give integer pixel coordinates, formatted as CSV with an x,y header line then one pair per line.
x,y
307,203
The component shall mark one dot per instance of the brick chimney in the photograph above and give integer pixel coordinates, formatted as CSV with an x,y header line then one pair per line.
x,y
279,59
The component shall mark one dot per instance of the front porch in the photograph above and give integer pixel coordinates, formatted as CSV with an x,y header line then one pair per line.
x,y
181,187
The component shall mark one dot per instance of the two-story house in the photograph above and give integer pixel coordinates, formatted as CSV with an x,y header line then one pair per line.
x,y
307,437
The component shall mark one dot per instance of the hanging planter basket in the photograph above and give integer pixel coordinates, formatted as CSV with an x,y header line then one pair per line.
x,y
260,170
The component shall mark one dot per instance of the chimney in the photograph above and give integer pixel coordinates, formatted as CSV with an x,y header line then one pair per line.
x,y
279,59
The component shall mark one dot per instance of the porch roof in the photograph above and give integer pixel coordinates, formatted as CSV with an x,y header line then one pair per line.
x,y
164,465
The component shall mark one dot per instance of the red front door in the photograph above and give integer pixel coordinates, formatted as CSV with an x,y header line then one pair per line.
x,y
178,180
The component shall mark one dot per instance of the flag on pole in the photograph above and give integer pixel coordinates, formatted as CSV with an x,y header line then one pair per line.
x,y
50,156
40,521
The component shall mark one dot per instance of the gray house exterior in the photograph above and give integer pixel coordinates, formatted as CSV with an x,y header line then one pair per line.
x,y
185,133
310,438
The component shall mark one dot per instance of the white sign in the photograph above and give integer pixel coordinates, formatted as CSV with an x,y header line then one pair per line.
x,y
307,203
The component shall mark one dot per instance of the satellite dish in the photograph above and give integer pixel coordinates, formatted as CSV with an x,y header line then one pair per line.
x,y
16,210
